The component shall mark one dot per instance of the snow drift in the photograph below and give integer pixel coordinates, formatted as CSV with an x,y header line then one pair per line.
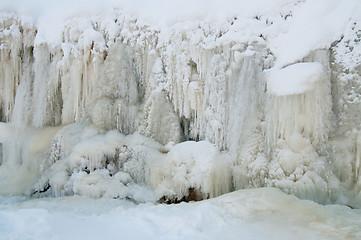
x,y
120,103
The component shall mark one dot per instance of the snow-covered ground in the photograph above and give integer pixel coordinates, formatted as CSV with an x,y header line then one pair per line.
x,y
252,214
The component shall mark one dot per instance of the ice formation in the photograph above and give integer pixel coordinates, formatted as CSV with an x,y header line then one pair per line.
x,y
116,105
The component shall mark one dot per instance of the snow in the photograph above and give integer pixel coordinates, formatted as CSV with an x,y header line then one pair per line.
x,y
312,25
295,79
315,25
251,214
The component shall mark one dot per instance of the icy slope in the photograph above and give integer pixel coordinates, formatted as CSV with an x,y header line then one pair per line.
x,y
97,99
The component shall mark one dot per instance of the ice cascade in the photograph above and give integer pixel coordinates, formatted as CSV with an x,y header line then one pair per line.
x,y
119,108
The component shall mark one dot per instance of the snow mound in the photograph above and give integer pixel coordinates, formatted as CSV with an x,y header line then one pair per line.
x,y
295,79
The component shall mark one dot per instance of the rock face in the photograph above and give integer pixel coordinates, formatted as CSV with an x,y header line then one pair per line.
x,y
108,107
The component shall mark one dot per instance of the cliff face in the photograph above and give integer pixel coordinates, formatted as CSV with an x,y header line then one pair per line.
x,y
116,106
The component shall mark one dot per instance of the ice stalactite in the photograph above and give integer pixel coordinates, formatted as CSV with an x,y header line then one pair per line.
x,y
15,50
159,117
343,149
246,116
309,90
197,81
46,105
24,157
298,122
115,97
79,70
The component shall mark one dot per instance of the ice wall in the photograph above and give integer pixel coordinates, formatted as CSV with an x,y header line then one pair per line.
x,y
122,108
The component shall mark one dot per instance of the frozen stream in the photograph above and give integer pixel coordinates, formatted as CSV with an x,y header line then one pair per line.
x,y
264,213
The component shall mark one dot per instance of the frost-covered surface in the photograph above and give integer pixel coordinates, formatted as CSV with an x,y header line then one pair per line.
x,y
247,214
180,100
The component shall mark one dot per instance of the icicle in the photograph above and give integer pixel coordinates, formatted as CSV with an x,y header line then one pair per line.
x,y
11,46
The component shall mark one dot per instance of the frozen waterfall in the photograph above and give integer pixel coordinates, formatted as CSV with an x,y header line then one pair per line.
x,y
120,107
